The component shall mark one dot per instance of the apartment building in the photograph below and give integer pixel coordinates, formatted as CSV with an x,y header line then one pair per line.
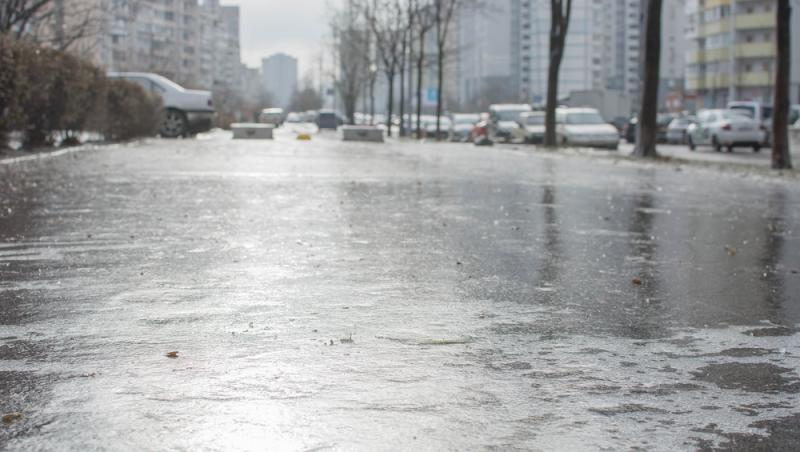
x,y
731,51
587,50
191,42
279,72
485,61
625,57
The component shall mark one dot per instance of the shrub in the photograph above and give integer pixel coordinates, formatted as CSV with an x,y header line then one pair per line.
x,y
44,92
131,112
10,97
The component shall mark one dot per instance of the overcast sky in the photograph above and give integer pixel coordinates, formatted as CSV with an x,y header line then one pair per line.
x,y
295,27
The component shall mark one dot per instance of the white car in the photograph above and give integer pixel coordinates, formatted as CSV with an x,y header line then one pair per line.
x,y
463,123
504,121
725,128
186,111
272,116
585,127
533,125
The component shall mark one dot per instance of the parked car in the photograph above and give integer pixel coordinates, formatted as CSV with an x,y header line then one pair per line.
x,y
758,111
794,114
630,129
532,124
294,118
428,124
462,125
663,120
186,111
504,121
327,119
676,131
585,127
310,116
725,128
272,116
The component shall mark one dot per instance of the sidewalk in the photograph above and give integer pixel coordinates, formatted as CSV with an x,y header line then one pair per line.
x,y
740,156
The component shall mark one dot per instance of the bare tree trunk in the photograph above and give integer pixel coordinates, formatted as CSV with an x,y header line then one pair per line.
x,y
390,103
444,16
439,97
420,66
410,75
402,68
372,100
781,157
559,25
647,129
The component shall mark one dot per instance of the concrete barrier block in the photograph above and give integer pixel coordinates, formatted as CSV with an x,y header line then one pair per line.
x,y
246,131
362,133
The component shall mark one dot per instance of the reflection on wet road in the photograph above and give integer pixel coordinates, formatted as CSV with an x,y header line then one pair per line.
x,y
360,297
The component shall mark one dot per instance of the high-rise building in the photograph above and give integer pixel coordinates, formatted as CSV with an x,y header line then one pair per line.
x,y
731,53
624,58
279,73
485,63
587,49
673,55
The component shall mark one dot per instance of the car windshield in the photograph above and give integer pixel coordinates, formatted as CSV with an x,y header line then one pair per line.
x,y
734,113
750,112
466,119
535,120
584,118
508,115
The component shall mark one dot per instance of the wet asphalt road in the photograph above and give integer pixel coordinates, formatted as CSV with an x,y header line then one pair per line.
x,y
331,296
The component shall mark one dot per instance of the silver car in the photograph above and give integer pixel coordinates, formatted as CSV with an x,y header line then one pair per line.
x,y
676,131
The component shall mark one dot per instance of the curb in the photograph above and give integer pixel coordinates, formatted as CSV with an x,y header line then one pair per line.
x,y
48,154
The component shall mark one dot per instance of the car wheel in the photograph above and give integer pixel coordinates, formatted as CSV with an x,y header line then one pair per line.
x,y
690,142
174,125
730,149
717,145
756,148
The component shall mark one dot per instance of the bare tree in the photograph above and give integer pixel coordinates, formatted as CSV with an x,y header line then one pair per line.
x,y
425,21
443,17
781,158
59,24
350,42
560,11
17,16
408,18
384,19
647,129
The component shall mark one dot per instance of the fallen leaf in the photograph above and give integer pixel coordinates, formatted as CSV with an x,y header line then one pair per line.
x,y
172,355
637,282
11,418
731,250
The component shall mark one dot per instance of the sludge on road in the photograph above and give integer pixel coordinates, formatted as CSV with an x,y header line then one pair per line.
x,y
399,296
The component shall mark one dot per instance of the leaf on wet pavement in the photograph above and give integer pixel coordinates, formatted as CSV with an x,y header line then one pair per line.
x,y
10,418
636,281
172,355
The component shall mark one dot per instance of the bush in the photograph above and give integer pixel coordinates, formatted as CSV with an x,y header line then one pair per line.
x,y
131,112
10,111
44,93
